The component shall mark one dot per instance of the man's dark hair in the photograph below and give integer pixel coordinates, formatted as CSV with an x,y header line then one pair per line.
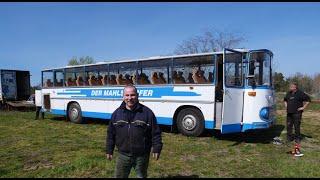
x,y
294,83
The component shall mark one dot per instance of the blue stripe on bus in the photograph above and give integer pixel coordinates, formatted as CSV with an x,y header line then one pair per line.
x,y
259,87
164,120
231,128
209,124
58,112
146,92
256,125
96,115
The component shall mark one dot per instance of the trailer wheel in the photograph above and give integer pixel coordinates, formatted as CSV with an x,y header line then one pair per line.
x,y
75,114
190,122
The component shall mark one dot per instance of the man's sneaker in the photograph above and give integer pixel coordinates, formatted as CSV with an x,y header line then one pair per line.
x,y
297,152
277,141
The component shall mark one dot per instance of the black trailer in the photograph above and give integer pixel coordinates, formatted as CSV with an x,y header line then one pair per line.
x,y
14,85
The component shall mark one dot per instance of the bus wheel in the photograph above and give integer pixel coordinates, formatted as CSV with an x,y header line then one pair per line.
x,y
74,113
190,122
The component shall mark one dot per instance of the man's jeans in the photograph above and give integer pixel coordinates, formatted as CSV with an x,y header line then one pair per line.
x,y
38,110
294,119
125,163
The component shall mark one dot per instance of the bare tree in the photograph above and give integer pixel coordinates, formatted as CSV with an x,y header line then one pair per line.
x,y
305,81
316,85
73,61
82,60
210,41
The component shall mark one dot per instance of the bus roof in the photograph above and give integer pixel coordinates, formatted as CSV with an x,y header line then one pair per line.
x,y
149,58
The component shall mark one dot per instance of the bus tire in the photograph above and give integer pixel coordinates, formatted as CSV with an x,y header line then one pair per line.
x,y
75,114
190,122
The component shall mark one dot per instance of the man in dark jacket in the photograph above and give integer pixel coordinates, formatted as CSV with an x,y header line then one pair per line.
x,y
133,129
294,102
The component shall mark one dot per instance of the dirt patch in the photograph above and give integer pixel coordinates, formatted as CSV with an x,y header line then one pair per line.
x,y
188,157
34,165
35,161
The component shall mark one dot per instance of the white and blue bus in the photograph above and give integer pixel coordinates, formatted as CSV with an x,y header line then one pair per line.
x,y
230,91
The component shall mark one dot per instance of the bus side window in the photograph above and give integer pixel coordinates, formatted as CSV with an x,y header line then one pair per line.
x,y
154,78
195,76
47,78
202,77
104,80
158,79
193,70
128,79
49,83
162,79
79,81
190,79
99,80
70,82
175,77
120,80
58,78
112,80
59,83
154,72
144,79
92,80
134,78
67,83
178,77
181,78
86,81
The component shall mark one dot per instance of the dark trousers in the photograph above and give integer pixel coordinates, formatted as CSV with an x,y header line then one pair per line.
x,y
294,120
125,163
38,111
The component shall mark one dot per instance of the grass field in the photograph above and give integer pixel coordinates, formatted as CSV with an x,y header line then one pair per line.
x,y
54,147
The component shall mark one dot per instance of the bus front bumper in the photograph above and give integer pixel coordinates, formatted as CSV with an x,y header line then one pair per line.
x,y
257,125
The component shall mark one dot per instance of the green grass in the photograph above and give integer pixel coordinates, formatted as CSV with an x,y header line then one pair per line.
x,y
54,147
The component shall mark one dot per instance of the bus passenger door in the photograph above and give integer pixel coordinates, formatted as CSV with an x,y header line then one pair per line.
x,y
233,95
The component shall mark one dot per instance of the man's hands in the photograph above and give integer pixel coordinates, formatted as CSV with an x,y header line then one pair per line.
x,y
303,107
285,104
109,157
156,155
300,108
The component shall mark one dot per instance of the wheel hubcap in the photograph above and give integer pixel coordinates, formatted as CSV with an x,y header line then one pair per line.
x,y
189,122
74,113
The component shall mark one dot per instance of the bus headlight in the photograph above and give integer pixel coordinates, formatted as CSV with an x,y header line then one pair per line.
x,y
264,113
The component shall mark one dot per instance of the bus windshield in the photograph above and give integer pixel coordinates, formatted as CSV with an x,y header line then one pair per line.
x,y
260,69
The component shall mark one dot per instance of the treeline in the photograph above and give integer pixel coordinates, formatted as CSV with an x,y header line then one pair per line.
x,y
307,83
